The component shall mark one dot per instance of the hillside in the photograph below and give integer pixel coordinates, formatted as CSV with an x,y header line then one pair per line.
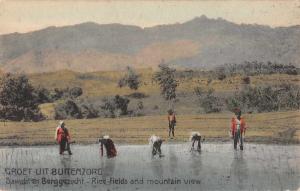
x,y
200,43
99,84
271,127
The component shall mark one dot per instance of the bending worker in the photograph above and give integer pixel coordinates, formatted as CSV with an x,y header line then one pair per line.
x,y
109,147
196,137
156,142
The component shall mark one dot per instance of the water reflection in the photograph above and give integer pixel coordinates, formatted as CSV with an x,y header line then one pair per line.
x,y
196,163
65,161
173,161
239,170
157,167
218,166
108,167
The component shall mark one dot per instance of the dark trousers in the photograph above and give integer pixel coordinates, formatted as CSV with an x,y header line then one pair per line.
x,y
156,148
238,137
198,139
64,146
171,128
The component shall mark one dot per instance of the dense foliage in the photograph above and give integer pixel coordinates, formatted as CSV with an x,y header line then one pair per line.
x,y
18,100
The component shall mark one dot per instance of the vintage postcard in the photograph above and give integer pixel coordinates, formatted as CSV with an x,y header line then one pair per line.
x,y
149,95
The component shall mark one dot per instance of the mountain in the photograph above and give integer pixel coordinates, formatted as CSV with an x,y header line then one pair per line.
x,y
200,43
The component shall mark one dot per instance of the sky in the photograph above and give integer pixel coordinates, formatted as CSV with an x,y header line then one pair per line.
x,y
24,16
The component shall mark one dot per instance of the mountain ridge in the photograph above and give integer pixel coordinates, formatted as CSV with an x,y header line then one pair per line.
x,y
208,43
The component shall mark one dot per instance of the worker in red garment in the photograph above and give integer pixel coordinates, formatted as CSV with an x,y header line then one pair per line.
x,y
109,147
63,138
238,128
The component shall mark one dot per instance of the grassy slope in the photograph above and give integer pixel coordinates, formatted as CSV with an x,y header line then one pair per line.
x,y
264,127
100,84
105,83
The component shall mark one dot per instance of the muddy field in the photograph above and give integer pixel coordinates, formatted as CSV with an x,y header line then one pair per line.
x,y
217,167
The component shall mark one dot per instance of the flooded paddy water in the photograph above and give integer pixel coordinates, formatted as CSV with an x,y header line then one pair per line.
x,y
217,167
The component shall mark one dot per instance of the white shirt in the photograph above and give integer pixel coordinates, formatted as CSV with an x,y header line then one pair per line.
x,y
238,124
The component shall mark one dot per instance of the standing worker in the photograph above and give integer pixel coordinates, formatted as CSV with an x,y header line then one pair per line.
x,y
63,138
172,122
238,127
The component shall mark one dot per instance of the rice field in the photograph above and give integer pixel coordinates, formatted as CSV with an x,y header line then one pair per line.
x,y
278,127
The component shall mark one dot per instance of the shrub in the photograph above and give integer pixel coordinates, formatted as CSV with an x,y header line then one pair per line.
x,y
115,107
256,68
67,110
42,95
211,104
72,93
220,73
208,101
58,94
266,98
131,79
18,100
260,99
108,107
88,111
75,92
138,111
121,104
233,102
166,79
289,96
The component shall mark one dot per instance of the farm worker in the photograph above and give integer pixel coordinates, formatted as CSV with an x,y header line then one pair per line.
x,y
196,137
63,138
109,147
172,122
238,127
156,143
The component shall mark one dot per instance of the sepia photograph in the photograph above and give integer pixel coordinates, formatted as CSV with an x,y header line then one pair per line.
x,y
150,95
